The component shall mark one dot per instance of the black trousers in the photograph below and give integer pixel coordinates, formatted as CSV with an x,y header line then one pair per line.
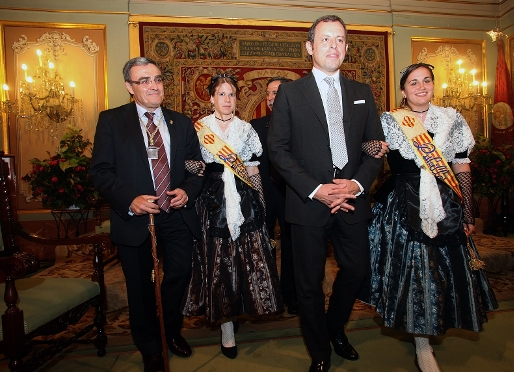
x,y
276,210
351,252
175,244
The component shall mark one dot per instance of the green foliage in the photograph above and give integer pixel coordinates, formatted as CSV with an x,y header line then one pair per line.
x,y
63,180
492,167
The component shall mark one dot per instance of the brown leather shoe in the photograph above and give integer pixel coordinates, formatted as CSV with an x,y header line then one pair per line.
x,y
320,366
153,362
179,346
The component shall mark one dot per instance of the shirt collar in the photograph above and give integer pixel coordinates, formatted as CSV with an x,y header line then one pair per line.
x,y
141,111
320,76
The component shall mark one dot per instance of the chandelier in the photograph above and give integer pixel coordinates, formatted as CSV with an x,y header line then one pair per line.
x,y
462,91
466,94
45,102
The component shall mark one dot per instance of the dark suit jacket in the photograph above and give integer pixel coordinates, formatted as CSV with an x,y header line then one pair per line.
x,y
120,169
299,146
265,168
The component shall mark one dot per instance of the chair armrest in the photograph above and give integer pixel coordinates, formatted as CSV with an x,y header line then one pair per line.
x,y
103,239
19,265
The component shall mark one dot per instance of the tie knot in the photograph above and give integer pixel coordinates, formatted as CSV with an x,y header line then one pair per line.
x,y
150,115
330,81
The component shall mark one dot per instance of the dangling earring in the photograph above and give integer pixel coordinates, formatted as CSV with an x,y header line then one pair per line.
x,y
403,103
212,108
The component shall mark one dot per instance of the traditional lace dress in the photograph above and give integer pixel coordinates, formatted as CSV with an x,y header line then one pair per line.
x,y
422,284
234,270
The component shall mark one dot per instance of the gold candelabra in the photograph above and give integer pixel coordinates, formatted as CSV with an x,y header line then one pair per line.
x,y
466,94
44,103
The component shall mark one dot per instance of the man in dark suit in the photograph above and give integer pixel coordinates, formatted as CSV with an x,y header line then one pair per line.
x,y
317,127
135,144
275,198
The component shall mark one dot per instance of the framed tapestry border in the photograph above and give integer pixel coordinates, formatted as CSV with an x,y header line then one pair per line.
x,y
190,51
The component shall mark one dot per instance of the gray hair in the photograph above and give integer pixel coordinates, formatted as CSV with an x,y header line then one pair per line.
x,y
137,61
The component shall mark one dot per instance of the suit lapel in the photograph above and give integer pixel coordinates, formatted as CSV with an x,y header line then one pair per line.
x,y
310,90
133,130
168,116
347,105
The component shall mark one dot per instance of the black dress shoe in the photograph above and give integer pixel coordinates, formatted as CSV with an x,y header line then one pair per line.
x,y
292,308
179,346
319,366
343,348
229,352
153,362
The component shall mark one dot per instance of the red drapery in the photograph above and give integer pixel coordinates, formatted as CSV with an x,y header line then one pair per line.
x,y
502,93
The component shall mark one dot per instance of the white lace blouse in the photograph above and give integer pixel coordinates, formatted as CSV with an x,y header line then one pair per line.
x,y
452,135
243,139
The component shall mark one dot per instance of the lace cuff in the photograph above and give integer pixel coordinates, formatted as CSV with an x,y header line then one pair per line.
x,y
461,161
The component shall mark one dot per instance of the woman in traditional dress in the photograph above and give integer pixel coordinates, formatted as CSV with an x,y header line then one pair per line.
x,y
421,280
234,271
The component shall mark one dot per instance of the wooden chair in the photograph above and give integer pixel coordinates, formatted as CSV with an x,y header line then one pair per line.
x,y
44,306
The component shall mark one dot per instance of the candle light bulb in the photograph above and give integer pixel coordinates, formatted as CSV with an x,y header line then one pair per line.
x,y
484,88
30,81
6,89
24,68
444,89
459,62
72,85
39,54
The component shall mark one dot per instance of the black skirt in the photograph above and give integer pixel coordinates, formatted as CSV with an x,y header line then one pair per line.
x,y
231,277
418,284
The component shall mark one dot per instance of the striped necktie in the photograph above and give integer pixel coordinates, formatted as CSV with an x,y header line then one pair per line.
x,y
160,166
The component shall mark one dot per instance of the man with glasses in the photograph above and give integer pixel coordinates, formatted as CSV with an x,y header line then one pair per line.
x,y
138,166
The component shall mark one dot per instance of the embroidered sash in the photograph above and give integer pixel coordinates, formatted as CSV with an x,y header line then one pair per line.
x,y
425,149
222,151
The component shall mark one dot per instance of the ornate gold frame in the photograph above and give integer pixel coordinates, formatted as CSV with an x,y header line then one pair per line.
x,y
97,100
466,49
134,47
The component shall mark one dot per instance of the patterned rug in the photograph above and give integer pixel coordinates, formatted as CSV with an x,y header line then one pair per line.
x,y
498,253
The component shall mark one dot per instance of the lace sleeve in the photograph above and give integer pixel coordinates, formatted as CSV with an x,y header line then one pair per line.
x,y
396,138
462,136
252,148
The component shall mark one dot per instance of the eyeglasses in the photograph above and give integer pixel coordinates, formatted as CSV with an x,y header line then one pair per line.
x,y
146,81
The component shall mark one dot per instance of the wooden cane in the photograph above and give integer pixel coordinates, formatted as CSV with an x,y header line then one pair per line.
x,y
156,277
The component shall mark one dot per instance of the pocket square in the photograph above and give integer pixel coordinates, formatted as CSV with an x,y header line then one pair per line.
x,y
359,102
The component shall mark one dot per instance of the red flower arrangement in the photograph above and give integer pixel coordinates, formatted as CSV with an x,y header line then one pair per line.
x,y
63,180
492,167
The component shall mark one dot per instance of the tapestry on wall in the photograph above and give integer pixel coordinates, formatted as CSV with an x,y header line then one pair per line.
x,y
189,54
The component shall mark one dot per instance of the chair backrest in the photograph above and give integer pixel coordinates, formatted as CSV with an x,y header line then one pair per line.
x,y
8,210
